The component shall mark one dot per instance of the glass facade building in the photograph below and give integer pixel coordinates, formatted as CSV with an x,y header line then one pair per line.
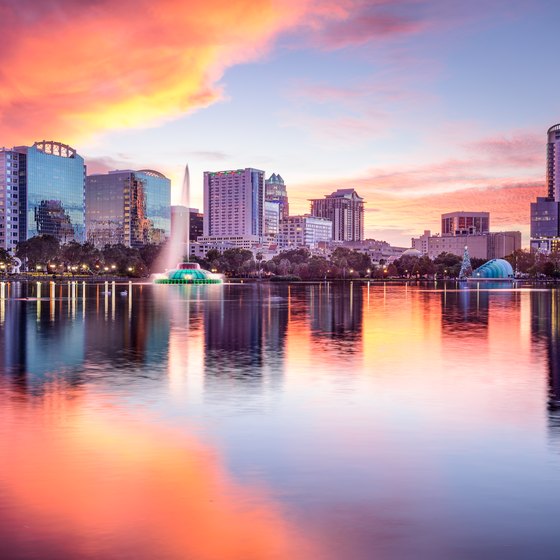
x,y
55,191
132,208
41,193
157,190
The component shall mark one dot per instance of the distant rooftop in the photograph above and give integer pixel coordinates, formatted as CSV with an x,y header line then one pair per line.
x,y
275,178
343,193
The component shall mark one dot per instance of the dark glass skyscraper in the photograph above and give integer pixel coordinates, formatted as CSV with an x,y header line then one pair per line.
x,y
545,212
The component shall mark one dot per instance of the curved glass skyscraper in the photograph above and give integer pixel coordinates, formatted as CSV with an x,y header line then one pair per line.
x,y
128,207
41,193
55,191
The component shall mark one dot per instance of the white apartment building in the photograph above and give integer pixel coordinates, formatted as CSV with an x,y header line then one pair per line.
x,y
234,204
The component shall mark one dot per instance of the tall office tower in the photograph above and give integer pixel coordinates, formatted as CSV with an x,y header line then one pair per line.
x,y
128,207
41,193
275,191
465,223
545,212
345,209
234,204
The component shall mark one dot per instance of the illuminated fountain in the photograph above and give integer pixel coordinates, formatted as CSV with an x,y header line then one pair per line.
x,y
179,245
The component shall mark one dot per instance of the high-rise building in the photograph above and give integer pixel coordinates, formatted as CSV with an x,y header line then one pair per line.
x,y
234,205
345,209
545,212
128,207
275,191
41,193
304,231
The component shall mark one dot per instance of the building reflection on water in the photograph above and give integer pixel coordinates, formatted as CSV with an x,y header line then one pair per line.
x,y
149,410
545,327
240,332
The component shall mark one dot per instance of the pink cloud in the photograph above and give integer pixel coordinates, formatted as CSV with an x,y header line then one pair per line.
x,y
355,22
504,177
518,150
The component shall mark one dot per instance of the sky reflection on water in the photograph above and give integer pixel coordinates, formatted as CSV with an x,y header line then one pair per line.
x,y
261,421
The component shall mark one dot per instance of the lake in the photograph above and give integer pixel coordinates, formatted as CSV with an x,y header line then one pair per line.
x,y
261,421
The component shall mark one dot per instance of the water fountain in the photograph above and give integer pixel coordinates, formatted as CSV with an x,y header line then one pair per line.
x,y
185,272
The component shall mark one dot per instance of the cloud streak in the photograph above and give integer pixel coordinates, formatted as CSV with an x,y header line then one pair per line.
x,y
73,69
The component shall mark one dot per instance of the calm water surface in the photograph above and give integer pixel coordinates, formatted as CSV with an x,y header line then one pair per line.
x,y
255,422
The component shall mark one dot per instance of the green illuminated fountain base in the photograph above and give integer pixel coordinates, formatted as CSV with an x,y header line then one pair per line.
x,y
189,273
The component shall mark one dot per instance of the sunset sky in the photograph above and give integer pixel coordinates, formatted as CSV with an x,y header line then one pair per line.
x,y
423,107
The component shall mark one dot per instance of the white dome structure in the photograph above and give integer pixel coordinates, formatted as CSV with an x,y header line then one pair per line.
x,y
412,253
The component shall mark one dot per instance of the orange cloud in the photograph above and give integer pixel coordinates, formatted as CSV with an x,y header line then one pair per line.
x,y
73,69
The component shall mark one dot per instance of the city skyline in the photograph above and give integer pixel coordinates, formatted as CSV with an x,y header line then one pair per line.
x,y
390,99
